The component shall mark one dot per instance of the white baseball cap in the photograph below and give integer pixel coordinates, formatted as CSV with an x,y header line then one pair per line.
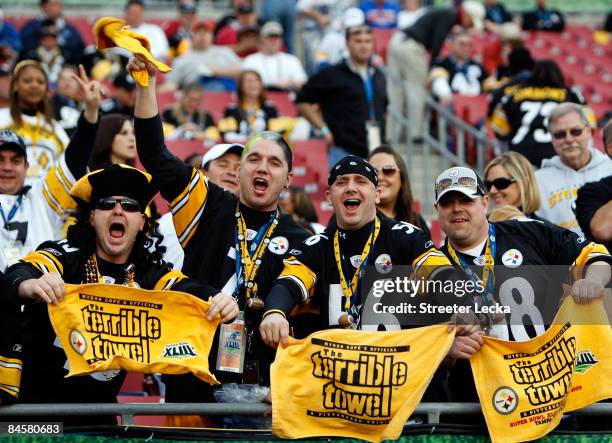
x,y
460,179
353,17
476,11
220,150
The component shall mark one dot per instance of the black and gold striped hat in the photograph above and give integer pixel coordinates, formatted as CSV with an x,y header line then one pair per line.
x,y
115,180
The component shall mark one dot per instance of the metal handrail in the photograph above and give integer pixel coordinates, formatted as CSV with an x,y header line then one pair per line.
x,y
446,120
127,411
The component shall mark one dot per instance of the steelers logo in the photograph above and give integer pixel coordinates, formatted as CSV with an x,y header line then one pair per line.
x,y
512,258
383,264
505,400
78,342
279,245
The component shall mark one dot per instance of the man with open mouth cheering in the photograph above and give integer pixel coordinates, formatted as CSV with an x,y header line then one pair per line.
x,y
235,244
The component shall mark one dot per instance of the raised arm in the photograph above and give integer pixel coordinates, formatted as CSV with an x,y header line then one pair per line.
x,y
171,173
81,143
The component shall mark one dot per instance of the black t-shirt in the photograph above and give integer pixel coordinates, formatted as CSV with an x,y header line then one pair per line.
x,y
591,197
341,94
530,256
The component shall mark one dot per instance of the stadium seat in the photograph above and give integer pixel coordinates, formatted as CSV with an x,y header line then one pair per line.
x,y
183,148
283,102
216,102
132,385
471,109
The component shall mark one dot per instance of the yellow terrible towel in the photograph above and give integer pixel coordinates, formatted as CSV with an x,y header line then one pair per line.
x,y
110,32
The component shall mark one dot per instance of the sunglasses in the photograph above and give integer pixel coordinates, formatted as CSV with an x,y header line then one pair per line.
x,y
464,182
575,132
387,170
127,204
499,183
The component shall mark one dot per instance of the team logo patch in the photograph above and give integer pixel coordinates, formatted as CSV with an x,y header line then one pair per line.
x,y
179,351
383,264
581,239
479,261
279,245
505,400
251,234
107,280
356,260
429,244
584,361
78,342
512,258
453,173
295,252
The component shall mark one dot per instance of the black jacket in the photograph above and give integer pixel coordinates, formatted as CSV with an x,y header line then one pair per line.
x,y
341,94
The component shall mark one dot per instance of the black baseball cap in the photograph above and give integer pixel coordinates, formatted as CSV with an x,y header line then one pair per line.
x,y
10,140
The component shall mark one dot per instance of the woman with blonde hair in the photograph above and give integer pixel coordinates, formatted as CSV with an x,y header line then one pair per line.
x,y
510,180
30,115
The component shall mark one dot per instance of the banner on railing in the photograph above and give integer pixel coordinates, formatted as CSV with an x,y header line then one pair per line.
x,y
357,384
105,327
525,387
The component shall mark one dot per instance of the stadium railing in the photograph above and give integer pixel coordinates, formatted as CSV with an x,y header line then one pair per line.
x,y
127,411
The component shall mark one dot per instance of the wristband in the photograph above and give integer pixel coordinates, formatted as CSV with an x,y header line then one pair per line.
x,y
324,131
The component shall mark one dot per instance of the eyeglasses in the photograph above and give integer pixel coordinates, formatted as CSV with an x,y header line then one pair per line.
x,y
499,183
127,204
464,182
387,170
575,132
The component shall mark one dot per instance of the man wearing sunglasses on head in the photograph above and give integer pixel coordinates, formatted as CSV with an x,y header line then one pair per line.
x,y
230,242
508,256
577,162
107,244
472,241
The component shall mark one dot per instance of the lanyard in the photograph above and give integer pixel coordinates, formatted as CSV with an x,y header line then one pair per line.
x,y
487,274
251,258
12,212
350,291
369,91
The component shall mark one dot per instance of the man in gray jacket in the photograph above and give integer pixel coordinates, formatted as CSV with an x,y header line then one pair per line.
x,y
575,164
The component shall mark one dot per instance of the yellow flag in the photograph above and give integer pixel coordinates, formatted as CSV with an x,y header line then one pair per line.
x,y
353,383
525,387
105,327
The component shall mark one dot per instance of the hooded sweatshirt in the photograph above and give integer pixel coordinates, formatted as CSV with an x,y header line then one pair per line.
x,y
559,186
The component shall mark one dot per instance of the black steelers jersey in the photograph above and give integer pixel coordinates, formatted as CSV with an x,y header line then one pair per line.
x,y
44,361
530,259
521,117
311,271
10,350
463,78
204,217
